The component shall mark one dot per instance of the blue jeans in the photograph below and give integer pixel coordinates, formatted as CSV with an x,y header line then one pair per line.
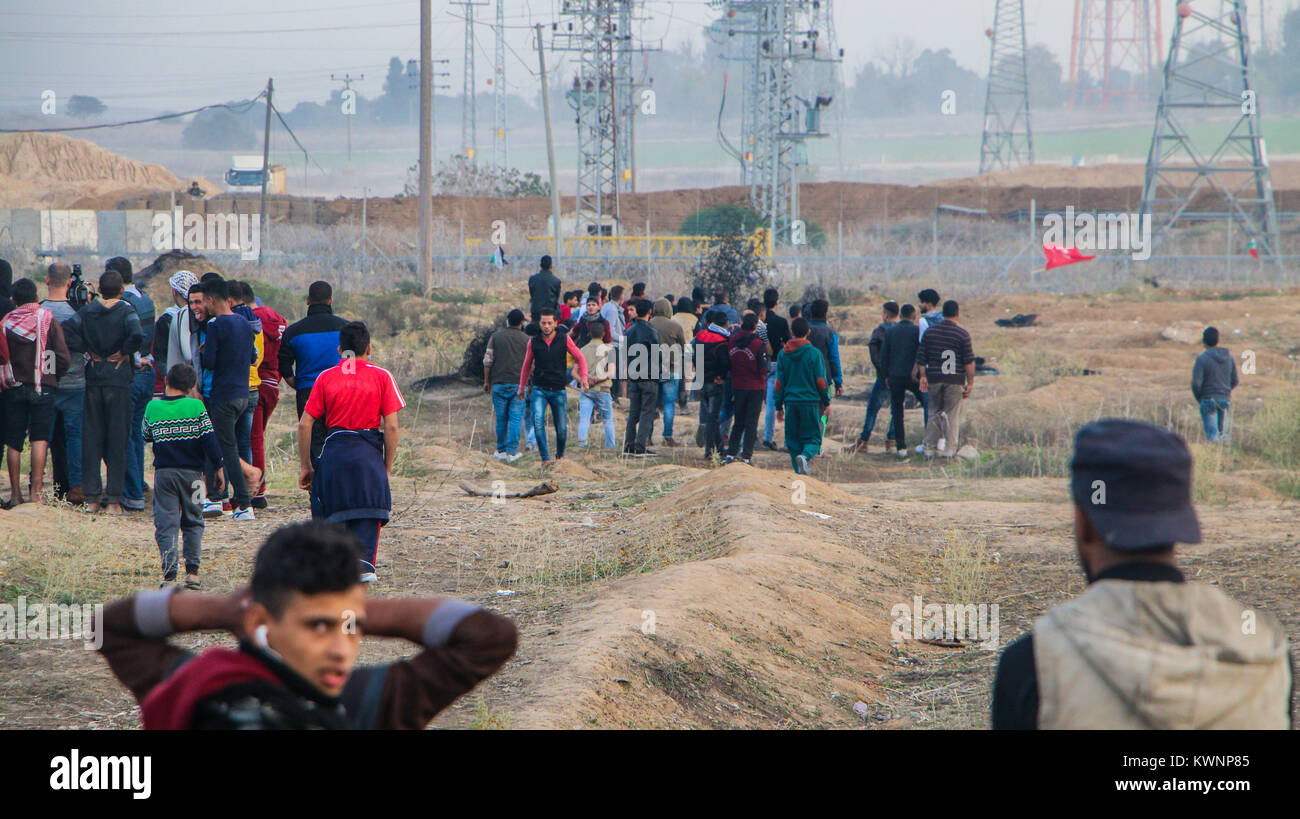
x,y
69,405
141,395
558,401
1214,415
599,401
244,429
509,409
668,403
769,417
879,396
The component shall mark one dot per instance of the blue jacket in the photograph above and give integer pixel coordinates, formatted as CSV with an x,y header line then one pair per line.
x,y
310,346
350,481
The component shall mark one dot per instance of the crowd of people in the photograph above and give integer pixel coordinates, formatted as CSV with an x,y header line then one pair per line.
x,y
94,372
740,366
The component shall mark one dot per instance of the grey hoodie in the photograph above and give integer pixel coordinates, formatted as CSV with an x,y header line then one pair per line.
x,y
1214,375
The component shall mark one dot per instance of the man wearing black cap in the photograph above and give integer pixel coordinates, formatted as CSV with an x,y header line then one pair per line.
x,y
1141,648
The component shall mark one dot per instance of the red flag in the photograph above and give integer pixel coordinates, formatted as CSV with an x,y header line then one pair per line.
x,y
1058,256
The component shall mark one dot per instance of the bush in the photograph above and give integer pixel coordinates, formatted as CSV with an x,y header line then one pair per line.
x,y
722,220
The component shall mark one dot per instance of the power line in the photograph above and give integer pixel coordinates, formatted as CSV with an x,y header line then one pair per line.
x,y
238,108
294,137
204,13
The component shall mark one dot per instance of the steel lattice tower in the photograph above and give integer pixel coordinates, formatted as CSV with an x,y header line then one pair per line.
x,y
500,152
1008,136
1113,40
469,109
1207,73
600,32
790,59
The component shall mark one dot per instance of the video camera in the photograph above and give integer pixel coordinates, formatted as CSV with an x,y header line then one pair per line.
x,y
79,293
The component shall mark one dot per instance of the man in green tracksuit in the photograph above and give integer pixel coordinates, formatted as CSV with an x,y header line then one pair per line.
x,y
800,395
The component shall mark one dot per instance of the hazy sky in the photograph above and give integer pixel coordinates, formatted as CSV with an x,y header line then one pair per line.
x,y
176,54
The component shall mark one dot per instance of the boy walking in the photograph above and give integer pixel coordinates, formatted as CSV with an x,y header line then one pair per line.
x,y
1214,377
357,403
801,392
947,367
181,433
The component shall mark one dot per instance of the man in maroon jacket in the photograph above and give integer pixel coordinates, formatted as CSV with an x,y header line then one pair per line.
x,y
299,626
268,391
749,384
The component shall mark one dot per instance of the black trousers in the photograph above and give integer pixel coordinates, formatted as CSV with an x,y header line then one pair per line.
x,y
106,426
641,414
317,429
898,389
744,425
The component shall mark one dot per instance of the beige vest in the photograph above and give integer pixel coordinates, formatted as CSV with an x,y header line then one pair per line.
x,y
1147,655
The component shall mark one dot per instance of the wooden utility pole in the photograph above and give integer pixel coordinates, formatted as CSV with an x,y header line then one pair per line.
x,y
426,140
550,154
266,170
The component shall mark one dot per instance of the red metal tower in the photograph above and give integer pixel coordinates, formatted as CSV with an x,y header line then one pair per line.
x,y
1115,48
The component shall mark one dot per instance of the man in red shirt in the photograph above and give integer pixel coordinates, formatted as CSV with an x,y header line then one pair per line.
x,y
268,392
349,483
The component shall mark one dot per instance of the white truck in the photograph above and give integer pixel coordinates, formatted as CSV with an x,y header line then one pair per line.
x,y
245,175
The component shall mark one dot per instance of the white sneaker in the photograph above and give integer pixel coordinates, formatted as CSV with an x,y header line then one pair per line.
x,y
801,464
902,454
920,449
500,456
515,457
943,445
369,577
212,509
244,514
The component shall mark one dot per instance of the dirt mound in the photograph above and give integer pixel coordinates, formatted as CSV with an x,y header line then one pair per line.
x,y
55,171
751,634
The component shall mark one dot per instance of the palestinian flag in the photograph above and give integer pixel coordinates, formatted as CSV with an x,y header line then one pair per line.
x,y
499,260
1253,249
1058,256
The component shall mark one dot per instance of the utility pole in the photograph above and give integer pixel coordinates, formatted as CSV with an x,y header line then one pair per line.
x,y
600,32
500,157
1114,51
1008,138
791,60
347,80
266,170
469,110
426,128
550,151
1208,87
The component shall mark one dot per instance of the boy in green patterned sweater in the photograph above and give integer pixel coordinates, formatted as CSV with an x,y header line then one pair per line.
x,y
182,434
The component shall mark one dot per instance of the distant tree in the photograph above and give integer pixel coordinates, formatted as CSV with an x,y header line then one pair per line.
x,y
722,220
81,106
462,177
1046,84
217,129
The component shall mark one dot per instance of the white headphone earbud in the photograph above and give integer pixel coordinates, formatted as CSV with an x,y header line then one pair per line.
x,y
259,636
